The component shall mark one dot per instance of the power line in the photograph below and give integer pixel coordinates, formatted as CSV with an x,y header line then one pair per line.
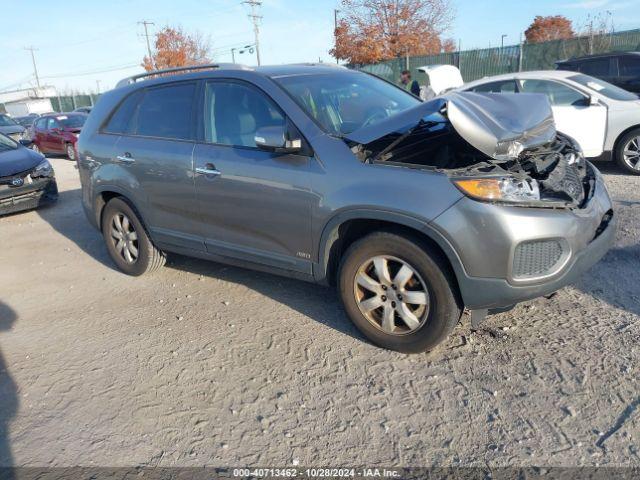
x,y
146,34
93,72
33,59
255,18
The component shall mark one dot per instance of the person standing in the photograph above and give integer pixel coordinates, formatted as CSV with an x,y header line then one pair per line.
x,y
409,85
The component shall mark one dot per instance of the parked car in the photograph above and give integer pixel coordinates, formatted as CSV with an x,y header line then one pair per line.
x,y
86,110
27,179
413,210
618,68
602,118
11,128
58,133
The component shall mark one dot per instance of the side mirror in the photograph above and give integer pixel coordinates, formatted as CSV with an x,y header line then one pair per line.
x,y
274,139
593,100
26,142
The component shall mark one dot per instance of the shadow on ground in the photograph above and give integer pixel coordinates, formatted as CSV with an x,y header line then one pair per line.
x,y
8,393
67,217
615,279
317,302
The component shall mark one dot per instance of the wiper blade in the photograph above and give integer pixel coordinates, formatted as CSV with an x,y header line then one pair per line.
x,y
397,141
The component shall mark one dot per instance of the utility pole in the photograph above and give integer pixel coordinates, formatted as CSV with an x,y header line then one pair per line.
x,y
233,55
335,27
33,59
98,86
255,18
502,40
146,34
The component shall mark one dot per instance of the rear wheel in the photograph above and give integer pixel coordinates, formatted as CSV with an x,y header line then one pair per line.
x,y
127,241
398,294
627,154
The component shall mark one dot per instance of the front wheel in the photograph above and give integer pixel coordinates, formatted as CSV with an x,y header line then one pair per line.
x,y
627,153
127,241
71,151
399,295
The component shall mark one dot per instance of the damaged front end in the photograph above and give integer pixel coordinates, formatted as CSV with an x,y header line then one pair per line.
x,y
495,147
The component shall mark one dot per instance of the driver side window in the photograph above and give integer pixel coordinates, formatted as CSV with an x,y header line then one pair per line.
x,y
52,123
234,112
558,94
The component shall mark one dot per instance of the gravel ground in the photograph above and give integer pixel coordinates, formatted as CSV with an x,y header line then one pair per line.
x,y
204,364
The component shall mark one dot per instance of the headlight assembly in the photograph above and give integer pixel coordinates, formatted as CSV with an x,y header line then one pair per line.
x,y
44,169
500,189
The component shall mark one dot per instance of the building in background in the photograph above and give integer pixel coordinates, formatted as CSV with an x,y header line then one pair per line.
x,y
19,103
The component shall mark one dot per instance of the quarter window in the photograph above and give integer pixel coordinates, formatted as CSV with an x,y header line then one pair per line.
x,y
123,119
557,93
629,66
166,112
596,68
233,113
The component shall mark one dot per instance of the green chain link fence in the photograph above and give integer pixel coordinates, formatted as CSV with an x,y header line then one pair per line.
x,y
474,64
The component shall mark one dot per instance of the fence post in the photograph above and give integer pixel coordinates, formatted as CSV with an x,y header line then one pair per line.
x,y
520,55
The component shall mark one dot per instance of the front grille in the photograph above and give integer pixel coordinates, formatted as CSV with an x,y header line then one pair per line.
x,y
536,258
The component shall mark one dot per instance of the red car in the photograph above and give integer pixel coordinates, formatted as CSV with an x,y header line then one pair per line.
x,y
57,133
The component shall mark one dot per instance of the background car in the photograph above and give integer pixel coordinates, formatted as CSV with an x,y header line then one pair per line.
x,y
619,68
27,179
11,128
602,118
58,133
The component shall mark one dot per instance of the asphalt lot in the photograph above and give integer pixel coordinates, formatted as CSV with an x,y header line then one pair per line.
x,y
204,364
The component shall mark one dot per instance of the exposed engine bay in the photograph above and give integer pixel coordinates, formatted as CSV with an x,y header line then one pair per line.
x,y
487,136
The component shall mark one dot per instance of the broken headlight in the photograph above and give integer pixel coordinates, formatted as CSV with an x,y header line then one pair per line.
x,y
501,189
44,169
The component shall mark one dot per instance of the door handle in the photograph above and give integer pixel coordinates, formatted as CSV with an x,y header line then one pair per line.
x,y
208,169
126,158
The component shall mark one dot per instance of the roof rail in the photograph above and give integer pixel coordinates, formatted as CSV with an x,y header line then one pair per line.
x,y
210,66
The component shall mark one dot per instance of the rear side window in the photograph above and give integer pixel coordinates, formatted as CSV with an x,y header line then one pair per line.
x,y
166,112
122,119
506,86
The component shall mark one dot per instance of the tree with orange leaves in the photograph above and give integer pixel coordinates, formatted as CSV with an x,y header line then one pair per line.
x,y
374,30
175,48
553,27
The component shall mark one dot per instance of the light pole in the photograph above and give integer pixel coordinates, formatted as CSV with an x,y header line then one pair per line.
x,y
241,50
502,41
335,27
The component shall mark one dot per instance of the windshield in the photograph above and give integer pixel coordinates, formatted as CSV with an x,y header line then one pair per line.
x,y
603,88
345,102
72,121
6,121
6,143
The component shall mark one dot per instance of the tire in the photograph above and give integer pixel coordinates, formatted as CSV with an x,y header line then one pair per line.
x,y
70,151
136,255
431,282
627,152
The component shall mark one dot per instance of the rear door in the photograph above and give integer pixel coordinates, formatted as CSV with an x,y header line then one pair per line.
x,y
156,149
573,113
254,205
53,138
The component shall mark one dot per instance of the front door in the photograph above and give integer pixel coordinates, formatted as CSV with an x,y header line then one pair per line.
x,y
573,113
254,205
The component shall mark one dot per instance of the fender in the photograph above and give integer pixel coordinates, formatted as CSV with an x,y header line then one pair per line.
x,y
330,235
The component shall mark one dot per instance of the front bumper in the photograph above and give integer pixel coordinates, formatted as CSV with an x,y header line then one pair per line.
x,y
485,237
37,194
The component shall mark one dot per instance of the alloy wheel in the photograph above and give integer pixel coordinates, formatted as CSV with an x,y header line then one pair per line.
x,y
631,153
391,295
124,237
71,152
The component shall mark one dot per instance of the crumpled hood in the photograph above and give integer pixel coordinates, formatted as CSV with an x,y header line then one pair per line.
x,y
18,160
499,125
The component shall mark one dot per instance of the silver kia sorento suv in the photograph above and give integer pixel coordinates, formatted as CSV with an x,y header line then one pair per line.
x,y
414,211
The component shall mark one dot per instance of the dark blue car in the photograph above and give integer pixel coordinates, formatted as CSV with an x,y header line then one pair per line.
x,y
27,179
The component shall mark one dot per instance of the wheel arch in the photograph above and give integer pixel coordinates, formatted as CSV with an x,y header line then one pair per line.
x,y
347,227
103,196
614,150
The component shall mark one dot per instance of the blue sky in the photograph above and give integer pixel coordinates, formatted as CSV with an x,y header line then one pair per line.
x,y
77,39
